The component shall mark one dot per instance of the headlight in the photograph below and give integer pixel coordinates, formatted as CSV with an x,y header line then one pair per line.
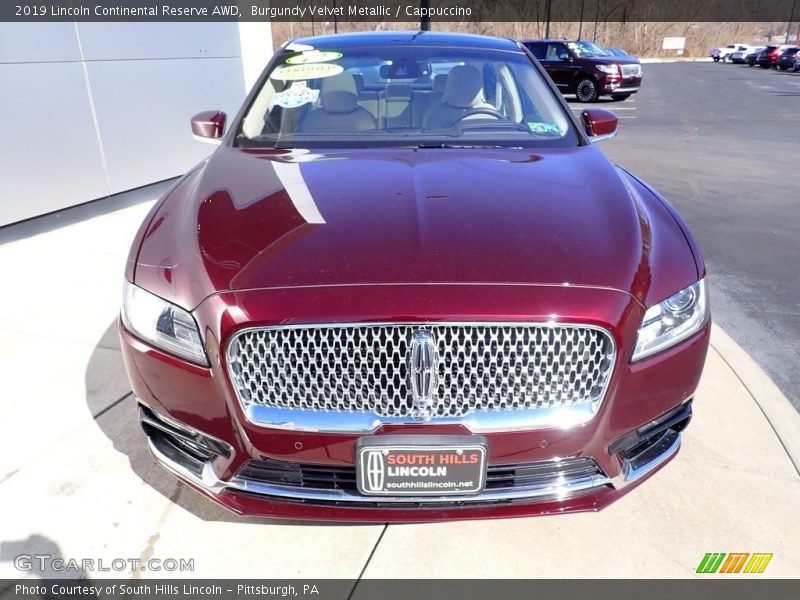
x,y
673,320
610,69
164,325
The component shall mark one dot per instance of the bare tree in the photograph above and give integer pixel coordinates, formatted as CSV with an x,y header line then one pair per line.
x,y
638,33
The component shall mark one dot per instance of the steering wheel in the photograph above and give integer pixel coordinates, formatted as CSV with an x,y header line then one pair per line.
x,y
478,111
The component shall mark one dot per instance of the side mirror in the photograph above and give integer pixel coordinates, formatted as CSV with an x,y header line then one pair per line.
x,y
599,124
208,126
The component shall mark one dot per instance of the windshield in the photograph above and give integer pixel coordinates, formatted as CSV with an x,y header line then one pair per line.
x,y
581,49
397,95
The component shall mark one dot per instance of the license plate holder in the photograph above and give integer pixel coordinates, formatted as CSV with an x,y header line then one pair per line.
x,y
421,465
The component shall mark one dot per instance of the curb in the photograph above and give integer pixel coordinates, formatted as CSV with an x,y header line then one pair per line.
x,y
645,61
777,409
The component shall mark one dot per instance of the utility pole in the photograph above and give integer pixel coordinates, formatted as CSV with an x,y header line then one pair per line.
x,y
425,22
791,18
547,19
596,14
335,19
580,24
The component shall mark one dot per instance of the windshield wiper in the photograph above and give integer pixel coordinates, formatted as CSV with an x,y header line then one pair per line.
x,y
446,146
242,141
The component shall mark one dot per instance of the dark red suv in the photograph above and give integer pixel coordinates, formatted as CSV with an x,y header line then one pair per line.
x,y
768,59
586,70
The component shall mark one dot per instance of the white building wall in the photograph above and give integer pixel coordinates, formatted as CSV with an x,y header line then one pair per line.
x,y
92,109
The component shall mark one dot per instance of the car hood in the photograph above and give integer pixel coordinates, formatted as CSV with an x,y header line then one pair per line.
x,y
250,219
618,60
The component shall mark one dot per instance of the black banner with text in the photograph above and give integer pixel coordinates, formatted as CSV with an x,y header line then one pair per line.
x,y
411,11
708,588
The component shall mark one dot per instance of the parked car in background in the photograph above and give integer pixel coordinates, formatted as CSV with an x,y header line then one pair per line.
x,y
768,59
787,59
752,55
740,56
796,67
586,70
723,54
498,321
616,52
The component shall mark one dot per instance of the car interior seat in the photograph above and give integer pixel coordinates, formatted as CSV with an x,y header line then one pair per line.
x,y
463,91
338,108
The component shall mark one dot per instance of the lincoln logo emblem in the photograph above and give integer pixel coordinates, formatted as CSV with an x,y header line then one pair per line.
x,y
423,372
375,470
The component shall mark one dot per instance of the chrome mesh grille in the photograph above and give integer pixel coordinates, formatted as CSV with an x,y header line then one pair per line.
x,y
631,70
481,367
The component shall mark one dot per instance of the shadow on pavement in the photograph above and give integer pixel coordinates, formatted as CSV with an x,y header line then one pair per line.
x,y
81,212
119,422
600,100
36,557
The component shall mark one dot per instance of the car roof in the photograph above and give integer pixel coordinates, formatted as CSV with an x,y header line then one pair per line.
x,y
405,38
551,40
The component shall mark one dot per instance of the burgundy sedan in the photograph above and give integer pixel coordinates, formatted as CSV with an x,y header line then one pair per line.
x,y
407,286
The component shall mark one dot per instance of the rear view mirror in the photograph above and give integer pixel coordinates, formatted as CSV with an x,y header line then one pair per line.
x,y
599,124
209,126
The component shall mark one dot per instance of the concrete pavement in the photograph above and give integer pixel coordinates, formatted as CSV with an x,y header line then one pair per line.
x,y
76,479
719,141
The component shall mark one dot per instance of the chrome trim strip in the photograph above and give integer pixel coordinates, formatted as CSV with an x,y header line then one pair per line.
x,y
599,138
629,474
180,429
367,422
212,484
207,140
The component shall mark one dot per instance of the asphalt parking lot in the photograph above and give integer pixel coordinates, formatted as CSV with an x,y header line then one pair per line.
x,y
77,481
722,143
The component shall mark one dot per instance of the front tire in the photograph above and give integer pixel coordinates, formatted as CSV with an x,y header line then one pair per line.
x,y
716,59
586,90
620,97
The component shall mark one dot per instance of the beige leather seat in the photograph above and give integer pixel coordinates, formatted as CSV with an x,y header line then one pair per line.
x,y
338,109
463,91
397,105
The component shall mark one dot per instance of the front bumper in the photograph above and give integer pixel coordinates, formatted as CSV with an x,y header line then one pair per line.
x,y
568,483
622,85
196,427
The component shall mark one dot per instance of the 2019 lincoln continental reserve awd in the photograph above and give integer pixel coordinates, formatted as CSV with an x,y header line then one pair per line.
x,y
407,286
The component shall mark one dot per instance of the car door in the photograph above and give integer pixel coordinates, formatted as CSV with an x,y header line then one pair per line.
x,y
560,64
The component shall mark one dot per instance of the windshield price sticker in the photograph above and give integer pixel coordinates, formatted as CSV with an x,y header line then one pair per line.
x,y
309,71
313,56
545,128
294,97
